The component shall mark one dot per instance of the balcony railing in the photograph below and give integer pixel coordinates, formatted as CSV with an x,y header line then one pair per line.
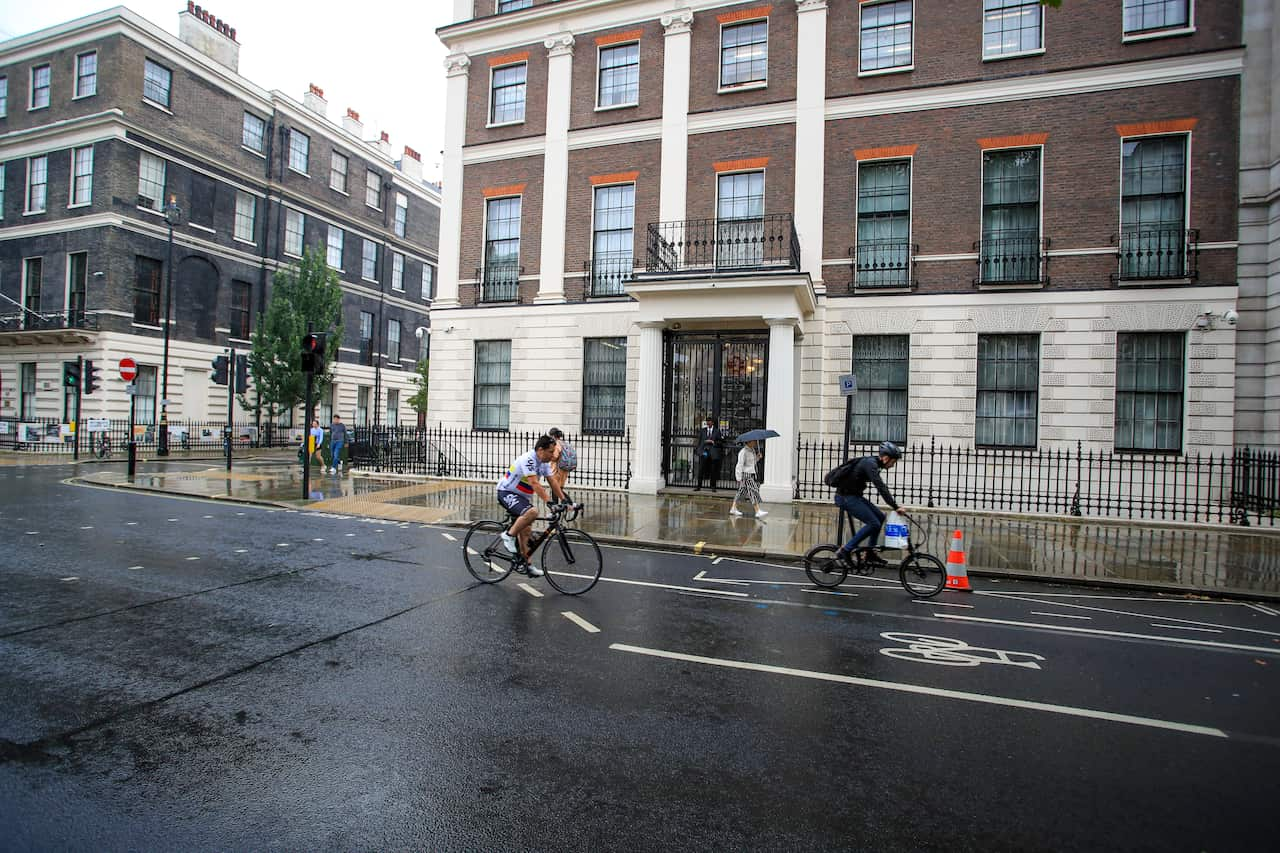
x,y
26,322
1011,259
1158,253
767,242
499,282
608,274
883,264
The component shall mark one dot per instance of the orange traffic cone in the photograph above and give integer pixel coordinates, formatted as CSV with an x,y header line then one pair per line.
x,y
957,574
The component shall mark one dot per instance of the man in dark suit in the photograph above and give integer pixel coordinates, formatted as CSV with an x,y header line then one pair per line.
x,y
709,454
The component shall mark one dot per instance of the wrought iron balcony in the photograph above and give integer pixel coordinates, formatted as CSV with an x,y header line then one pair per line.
x,y
608,273
883,264
1158,253
46,322
499,282
750,244
1011,259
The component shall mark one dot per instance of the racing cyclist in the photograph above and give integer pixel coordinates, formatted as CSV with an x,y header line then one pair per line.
x,y
514,488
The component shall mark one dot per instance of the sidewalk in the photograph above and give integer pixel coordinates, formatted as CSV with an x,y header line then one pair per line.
x,y
1218,560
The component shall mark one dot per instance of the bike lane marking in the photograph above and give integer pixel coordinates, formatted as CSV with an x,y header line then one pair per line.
x,y
901,687
1266,610
1144,616
1102,633
580,622
1059,615
450,537
535,593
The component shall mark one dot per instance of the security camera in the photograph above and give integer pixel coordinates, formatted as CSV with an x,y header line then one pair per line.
x,y
1230,316
419,332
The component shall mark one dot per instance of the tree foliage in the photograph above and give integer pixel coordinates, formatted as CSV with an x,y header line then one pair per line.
x,y
306,295
419,398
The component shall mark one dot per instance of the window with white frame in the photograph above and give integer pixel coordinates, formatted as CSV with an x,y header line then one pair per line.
x,y
4,96
1150,16
299,151
40,76
338,172
604,386
393,407
884,224
882,364
369,260
428,281
491,399
294,224
145,398
1010,247
333,250
246,216
513,5
373,189
87,74
27,390
1153,207
397,271
81,175
612,239
254,133
739,219
1008,390
241,310
151,171
1011,27
1150,370
402,214
362,405
156,83
619,73
744,53
393,342
37,183
885,35
501,279
507,93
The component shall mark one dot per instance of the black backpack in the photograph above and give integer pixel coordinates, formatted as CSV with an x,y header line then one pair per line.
x,y
841,474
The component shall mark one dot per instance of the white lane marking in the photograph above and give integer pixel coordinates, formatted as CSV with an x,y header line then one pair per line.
x,y
473,552
282,544
702,576
173,519
831,592
33,532
131,523
580,622
1066,710
665,586
450,537
529,590
1059,615
1186,628
716,561
239,513
940,603
1099,632
1266,610
207,516
87,527
242,551
317,540
946,651
134,568
350,534
189,559
1147,616
1002,594
72,578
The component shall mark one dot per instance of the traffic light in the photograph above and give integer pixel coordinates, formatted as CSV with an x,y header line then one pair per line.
x,y
70,374
221,365
92,378
313,353
242,374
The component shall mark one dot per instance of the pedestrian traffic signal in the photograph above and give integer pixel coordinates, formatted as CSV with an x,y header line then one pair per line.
x,y
71,374
313,353
92,378
242,374
221,365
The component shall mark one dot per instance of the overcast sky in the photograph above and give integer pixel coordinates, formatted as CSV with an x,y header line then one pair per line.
x,y
378,57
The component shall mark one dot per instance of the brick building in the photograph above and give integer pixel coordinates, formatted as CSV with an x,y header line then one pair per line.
x,y
105,122
1017,226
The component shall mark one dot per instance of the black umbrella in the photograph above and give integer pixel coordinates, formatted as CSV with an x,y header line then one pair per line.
x,y
757,435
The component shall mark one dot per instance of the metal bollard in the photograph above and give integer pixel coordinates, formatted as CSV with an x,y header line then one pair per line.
x,y
133,458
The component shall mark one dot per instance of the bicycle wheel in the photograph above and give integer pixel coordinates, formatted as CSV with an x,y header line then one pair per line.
x,y
822,567
487,558
923,575
572,561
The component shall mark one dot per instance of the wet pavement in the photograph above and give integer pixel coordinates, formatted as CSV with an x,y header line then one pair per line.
x,y
1198,558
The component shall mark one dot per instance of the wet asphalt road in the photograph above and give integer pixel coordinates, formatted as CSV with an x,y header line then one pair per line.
x,y
180,674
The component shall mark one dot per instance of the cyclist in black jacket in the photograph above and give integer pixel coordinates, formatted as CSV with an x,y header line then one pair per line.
x,y
849,497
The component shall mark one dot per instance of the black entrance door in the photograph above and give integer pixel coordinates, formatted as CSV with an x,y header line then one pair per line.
x,y
709,373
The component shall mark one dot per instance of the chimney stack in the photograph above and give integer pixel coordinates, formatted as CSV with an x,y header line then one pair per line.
x,y
384,144
209,34
411,165
314,101
351,123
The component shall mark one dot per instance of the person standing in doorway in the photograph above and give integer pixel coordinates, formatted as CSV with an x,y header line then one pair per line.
x,y
748,489
709,454
337,440
317,440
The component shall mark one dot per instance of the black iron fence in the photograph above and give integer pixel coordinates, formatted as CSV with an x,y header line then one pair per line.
x,y
102,436
604,461
499,282
608,273
1241,486
766,242
74,318
883,263
1011,258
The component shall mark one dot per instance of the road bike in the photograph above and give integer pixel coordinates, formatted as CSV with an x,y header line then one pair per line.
x,y
922,575
102,448
571,560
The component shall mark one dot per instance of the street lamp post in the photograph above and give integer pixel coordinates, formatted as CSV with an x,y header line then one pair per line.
x,y
172,214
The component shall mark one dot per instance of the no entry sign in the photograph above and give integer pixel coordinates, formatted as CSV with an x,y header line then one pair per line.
x,y
128,369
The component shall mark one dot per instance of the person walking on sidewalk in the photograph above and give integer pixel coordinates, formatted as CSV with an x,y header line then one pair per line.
x,y
748,489
317,440
514,487
337,440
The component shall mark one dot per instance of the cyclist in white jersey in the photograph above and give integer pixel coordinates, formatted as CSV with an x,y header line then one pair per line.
x,y
514,487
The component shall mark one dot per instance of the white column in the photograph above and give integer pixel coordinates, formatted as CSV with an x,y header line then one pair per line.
x,y
455,132
779,459
810,134
678,25
555,167
646,467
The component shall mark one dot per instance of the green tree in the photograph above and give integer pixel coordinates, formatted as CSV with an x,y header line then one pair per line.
x,y
305,295
419,398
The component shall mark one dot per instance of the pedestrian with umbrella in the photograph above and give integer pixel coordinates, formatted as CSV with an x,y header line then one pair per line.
x,y
748,488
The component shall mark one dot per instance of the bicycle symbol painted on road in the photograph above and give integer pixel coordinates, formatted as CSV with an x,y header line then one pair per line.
x,y
945,651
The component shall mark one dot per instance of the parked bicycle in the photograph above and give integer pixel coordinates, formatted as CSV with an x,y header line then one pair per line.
x,y
571,559
923,575
102,449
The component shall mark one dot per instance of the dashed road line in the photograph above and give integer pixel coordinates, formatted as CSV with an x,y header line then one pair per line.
x,y
1186,628
940,603
1262,609
831,592
449,536
580,622
190,559
86,527
1060,615
72,578
134,568
535,593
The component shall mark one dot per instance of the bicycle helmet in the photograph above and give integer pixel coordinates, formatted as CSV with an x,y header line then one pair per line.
x,y
888,448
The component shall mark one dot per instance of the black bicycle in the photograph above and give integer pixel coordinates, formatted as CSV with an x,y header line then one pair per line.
x,y
571,560
103,446
923,575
